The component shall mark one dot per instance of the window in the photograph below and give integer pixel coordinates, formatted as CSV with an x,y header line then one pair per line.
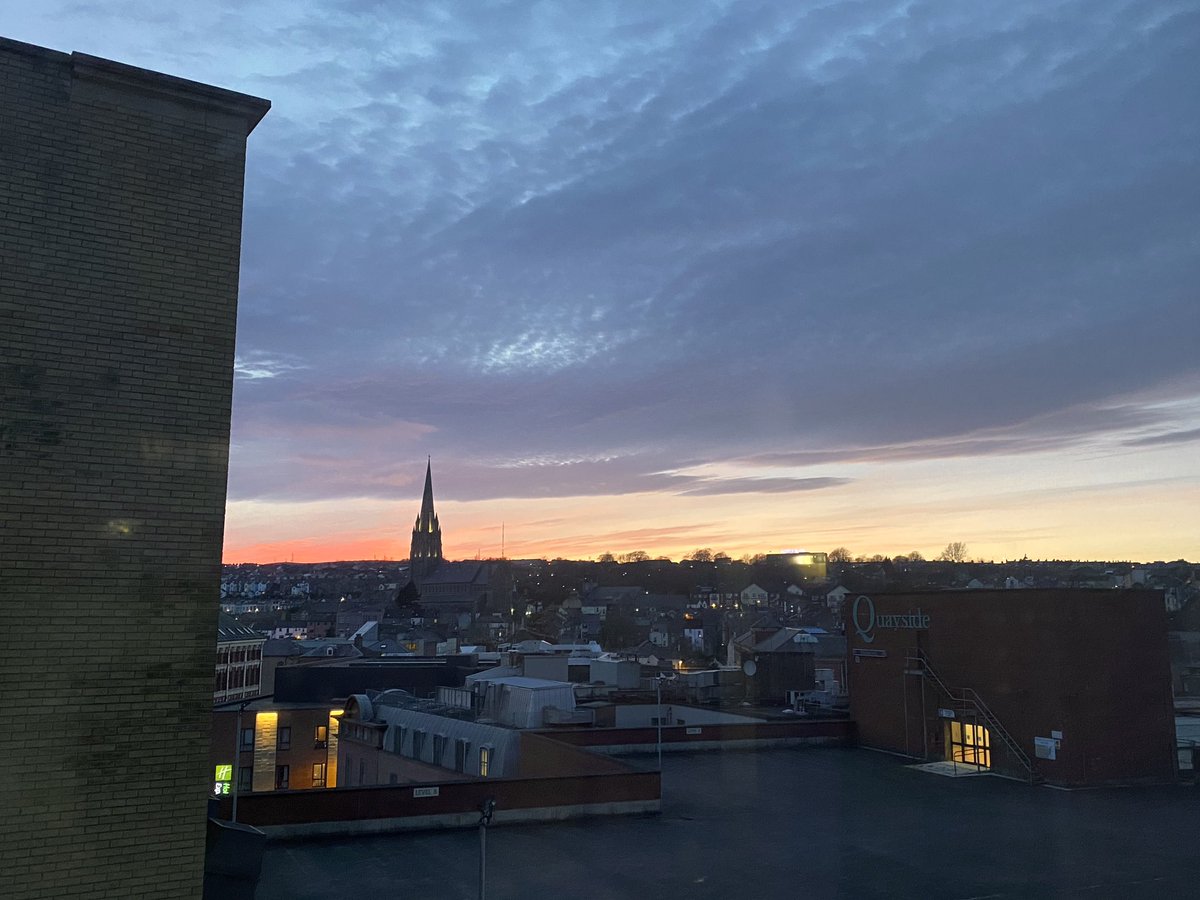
x,y
321,737
418,743
462,749
248,738
284,738
318,775
398,738
485,760
439,748
282,777
245,779
392,779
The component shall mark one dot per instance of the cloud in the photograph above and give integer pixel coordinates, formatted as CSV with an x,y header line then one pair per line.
x,y
1170,437
571,252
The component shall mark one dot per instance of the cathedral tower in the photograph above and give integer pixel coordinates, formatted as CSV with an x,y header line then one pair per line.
x,y
425,554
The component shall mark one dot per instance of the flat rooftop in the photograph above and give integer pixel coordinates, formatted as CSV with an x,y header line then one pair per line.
x,y
814,822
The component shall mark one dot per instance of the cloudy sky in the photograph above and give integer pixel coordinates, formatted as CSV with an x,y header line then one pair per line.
x,y
743,275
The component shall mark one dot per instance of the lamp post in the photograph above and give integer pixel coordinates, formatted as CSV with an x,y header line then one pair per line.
x,y
486,810
237,757
658,681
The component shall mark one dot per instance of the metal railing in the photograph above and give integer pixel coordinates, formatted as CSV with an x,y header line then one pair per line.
x,y
967,699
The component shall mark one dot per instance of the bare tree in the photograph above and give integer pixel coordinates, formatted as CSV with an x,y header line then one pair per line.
x,y
606,558
703,554
633,556
956,551
839,555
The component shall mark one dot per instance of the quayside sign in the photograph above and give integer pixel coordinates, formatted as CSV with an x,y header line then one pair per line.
x,y
866,620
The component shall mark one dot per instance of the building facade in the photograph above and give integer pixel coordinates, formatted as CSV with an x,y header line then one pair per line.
x,y
1068,686
239,661
121,193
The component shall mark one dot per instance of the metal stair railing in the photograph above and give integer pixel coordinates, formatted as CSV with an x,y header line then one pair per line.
x,y
967,699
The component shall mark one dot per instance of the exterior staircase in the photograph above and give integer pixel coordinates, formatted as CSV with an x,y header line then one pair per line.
x,y
965,701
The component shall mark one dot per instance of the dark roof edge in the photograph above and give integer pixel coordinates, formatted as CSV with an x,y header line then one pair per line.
x,y
252,109
14,46
146,81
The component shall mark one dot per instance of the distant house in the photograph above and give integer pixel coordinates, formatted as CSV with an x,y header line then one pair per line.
x,y
777,663
836,597
753,595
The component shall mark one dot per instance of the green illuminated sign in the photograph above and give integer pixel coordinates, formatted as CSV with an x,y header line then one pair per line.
x,y
222,780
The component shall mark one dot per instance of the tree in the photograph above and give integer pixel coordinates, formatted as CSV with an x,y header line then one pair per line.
x,y
915,556
633,556
956,551
704,554
606,558
721,556
839,555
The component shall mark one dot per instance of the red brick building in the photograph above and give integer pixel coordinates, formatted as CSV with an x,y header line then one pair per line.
x,y
1069,686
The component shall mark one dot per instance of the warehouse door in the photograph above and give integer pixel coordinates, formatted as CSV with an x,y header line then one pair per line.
x,y
968,743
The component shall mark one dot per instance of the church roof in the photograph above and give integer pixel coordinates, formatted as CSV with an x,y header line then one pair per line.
x,y
468,572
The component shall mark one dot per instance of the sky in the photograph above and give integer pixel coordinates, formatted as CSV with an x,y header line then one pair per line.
x,y
741,275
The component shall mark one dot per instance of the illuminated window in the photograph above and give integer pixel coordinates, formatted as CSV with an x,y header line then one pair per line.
x,y
318,775
321,737
485,760
282,777
284,738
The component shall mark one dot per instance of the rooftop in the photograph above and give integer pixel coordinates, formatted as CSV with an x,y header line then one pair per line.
x,y
785,823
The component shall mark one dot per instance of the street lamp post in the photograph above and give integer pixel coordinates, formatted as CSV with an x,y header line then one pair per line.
x,y
486,810
237,757
658,681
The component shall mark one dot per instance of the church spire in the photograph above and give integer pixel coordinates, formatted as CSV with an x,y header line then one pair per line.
x,y
425,554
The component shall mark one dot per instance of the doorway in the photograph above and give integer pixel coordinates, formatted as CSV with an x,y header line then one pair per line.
x,y
968,743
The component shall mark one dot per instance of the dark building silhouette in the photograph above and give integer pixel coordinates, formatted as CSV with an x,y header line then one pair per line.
x,y
121,192
425,553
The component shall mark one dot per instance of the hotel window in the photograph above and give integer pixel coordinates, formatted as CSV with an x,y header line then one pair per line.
x,y
485,761
418,743
283,740
245,779
248,738
282,777
318,775
321,737
439,747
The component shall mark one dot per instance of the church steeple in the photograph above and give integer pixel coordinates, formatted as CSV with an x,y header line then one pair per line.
x,y
425,553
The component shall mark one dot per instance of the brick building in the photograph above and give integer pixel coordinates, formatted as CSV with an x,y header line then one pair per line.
x,y
1067,686
121,194
239,661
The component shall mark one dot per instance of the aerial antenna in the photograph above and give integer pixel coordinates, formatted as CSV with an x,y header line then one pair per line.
x,y
502,556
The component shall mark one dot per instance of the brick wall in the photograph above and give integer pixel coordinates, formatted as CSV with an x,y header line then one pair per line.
x,y
121,197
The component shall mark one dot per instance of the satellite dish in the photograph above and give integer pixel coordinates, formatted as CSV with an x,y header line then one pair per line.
x,y
750,667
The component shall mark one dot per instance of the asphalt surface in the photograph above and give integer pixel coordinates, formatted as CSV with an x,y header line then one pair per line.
x,y
804,822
